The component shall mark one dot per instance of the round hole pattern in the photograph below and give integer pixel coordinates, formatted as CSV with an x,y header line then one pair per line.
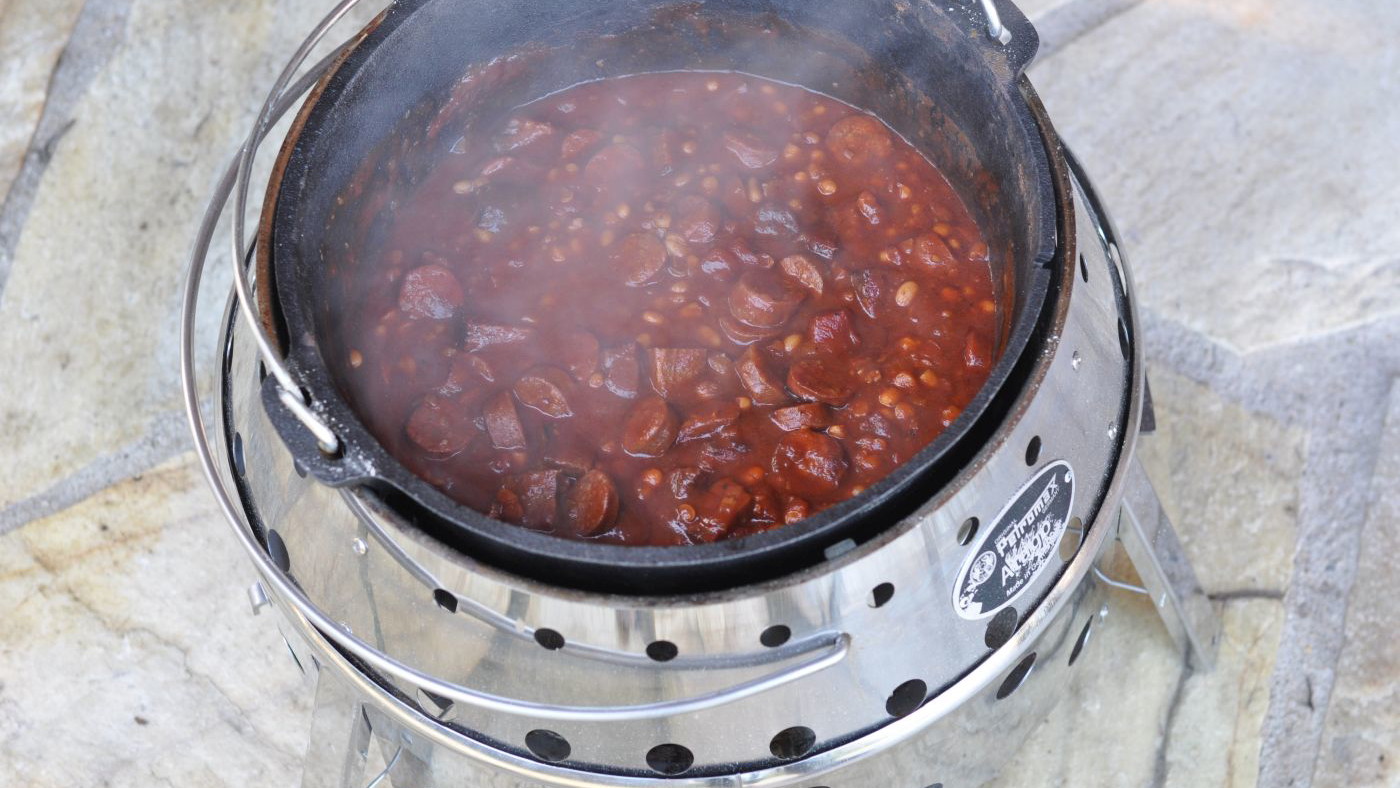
x,y
1033,451
1083,268
1001,628
775,636
239,466
968,531
551,640
793,742
906,698
880,595
1123,338
1081,640
277,550
1016,677
670,759
445,599
1071,539
548,745
662,650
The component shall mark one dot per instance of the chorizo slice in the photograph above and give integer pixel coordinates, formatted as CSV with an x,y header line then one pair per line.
x,y
831,331
749,150
578,142
708,420
640,257
696,220
650,428
592,505
807,416
617,163
623,373
439,427
762,299
578,351
720,508
672,369
479,336
801,269
524,135
539,497
809,464
821,377
503,422
763,385
542,389
430,292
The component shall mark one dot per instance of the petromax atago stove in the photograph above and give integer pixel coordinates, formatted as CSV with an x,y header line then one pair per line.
x,y
920,654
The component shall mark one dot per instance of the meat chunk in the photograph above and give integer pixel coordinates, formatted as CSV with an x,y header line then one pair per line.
x,y
755,373
696,220
578,143
639,257
809,464
522,135
673,369
592,504
807,416
439,426
803,271
615,165
542,389
539,497
707,420
821,377
763,299
749,151
503,422
831,331
859,140
480,336
650,428
719,509
431,292
579,353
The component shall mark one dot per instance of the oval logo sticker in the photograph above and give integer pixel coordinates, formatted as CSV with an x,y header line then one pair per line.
x,y
1018,544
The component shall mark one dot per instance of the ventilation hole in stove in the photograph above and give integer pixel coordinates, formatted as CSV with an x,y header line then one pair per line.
x,y
550,639
239,466
775,636
793,742
445,599
935,785
881,594
1123,338
1081,640
669,759
548,745
1016,677
1001,628
968,531
662,650
262,371
1033,451
906,698
277,550
1071,539
1083,268
299,468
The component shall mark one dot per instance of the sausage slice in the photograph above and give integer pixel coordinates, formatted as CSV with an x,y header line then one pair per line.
x,y
650,428
809,464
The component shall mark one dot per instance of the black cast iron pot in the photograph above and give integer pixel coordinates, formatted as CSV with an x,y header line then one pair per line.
x,y
929,70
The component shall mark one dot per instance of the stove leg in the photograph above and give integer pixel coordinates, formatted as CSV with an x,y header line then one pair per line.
x,y
340,732
1153,547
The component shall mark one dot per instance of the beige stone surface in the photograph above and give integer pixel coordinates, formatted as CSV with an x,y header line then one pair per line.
x,y
1361,743
1117,722
128,655
90,308
1246,151
1228,479
32,34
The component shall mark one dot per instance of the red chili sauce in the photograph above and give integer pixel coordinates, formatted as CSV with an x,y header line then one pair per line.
x,y
669,309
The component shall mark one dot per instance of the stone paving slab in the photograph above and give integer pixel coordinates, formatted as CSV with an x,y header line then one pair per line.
x,y
128,654
1242,149
1361,743
32,35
